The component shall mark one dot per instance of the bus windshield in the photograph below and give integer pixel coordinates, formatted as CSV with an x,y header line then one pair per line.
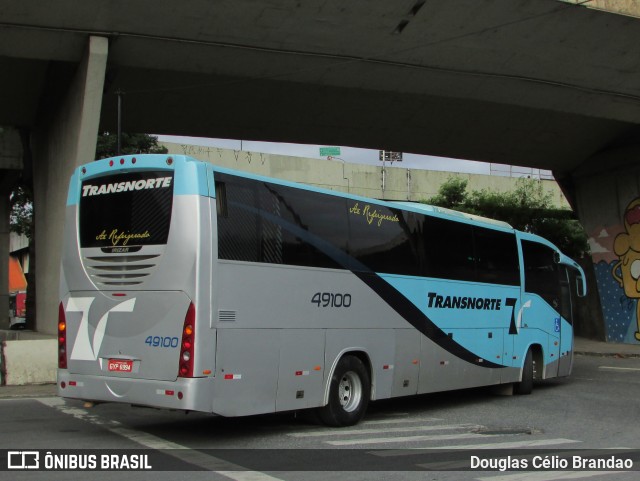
x,y
125,211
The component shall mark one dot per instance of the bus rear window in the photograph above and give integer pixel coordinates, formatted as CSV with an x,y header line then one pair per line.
x,y
122,211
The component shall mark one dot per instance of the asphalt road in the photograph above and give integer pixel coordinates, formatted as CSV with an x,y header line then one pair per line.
x,y
404,439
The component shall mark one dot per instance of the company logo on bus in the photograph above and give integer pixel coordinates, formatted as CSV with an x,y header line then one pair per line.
x,y
464,302
116,187
120,250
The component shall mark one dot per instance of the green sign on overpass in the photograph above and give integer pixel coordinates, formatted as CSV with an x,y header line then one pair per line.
x,y
329,151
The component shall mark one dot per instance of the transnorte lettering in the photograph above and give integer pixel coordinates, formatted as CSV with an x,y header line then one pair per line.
x,y
461,302
155,183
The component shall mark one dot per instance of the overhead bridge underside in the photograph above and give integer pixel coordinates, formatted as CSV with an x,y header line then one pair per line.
x,y
544,84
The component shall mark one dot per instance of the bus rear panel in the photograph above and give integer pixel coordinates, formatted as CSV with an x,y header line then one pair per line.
x,y
137,243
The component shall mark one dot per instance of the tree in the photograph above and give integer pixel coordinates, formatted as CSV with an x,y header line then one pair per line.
x,y
527,208
131,144
452,194
21,213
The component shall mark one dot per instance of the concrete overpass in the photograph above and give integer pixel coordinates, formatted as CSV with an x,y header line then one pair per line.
x,y
546,84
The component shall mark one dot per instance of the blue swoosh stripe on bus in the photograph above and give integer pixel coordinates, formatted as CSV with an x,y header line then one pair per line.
x,y
392,296
418,319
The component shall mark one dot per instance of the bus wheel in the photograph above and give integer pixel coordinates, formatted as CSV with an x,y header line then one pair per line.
x,y
349,393
526,385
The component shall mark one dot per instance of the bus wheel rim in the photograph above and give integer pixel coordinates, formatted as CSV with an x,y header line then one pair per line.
x,y
350,391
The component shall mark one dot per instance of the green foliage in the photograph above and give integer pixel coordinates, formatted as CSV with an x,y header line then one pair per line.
x,y
452,194
21,213
131,144
527,208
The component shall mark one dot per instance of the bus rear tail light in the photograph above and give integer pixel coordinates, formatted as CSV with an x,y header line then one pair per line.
x,y
187,345
62,338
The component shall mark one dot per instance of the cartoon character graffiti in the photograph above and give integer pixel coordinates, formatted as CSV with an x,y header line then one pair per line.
x,y
627,248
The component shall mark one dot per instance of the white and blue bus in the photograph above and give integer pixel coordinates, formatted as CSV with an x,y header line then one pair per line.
x,y
187,286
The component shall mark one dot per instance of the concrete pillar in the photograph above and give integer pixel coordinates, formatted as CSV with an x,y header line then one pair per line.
x,y
65,138
608,203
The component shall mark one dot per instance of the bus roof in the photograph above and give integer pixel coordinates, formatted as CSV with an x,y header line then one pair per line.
x,y
147,161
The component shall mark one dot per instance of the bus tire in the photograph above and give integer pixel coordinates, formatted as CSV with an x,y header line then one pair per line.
x,y
526,385
349,393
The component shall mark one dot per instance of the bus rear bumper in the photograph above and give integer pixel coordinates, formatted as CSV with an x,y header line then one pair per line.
x,y
193,394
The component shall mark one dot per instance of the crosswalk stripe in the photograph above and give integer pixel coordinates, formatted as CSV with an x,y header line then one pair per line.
x,y
406,429
405,439
613,368
399,421
500,445
210,463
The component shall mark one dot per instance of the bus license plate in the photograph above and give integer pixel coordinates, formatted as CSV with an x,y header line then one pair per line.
x,y
120,365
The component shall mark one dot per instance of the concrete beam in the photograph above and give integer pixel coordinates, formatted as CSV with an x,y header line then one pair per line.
x,y
65,138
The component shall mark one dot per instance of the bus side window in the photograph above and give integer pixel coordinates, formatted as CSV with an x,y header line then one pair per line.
x,y
221,200
541,272
238,220
385,246
449,250
496,257
565,295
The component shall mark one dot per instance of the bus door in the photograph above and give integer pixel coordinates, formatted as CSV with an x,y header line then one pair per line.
x,y
539,316
567,280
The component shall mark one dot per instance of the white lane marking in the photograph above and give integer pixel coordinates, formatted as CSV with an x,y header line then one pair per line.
x,y
548,475
404,439
613,368
246,475
398,421
210,463
501,445
405,429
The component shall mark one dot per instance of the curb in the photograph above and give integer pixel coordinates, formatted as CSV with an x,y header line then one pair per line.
x,y
28,391
618,355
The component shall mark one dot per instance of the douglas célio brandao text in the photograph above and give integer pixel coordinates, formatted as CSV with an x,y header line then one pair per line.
x,y
543,462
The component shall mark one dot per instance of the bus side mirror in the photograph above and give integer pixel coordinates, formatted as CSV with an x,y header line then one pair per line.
x,y
581,287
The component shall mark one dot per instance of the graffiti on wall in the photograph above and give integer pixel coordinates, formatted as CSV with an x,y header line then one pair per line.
x,y
616,256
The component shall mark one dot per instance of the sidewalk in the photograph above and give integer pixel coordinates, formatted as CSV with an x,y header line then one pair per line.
x,y
586,347
589,347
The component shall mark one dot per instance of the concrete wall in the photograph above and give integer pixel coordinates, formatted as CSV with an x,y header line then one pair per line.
x,y
28,362
27,358
608,204
358,179
621,7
